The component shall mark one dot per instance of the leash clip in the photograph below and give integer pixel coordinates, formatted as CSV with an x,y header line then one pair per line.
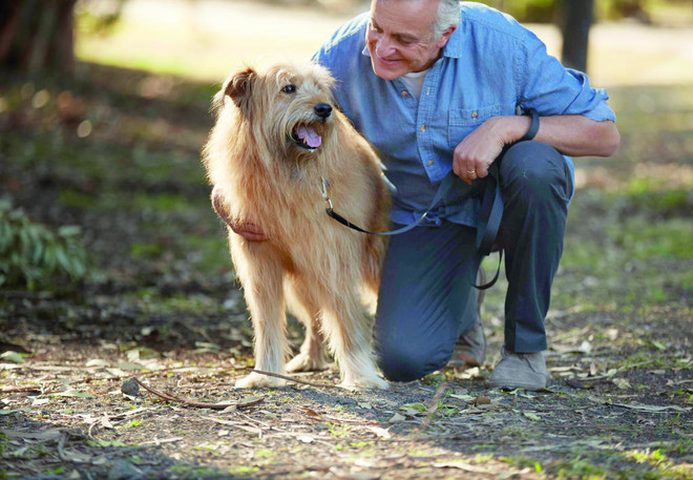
x,y
325,185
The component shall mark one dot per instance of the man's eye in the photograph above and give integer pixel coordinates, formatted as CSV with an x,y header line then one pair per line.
x,y
290,88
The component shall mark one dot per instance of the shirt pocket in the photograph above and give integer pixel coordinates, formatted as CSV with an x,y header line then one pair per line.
x,y
461,122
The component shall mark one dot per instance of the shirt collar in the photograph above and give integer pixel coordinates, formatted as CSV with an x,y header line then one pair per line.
x,y
453,48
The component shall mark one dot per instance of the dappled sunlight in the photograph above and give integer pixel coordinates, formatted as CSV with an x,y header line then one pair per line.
x,y
207,40
115,150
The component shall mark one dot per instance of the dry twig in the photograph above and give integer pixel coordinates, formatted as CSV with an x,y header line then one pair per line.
x,y
20,390
433,407
192,403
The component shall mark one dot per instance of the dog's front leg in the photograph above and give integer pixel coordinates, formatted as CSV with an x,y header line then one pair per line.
x,y
261,275
302,304
348,331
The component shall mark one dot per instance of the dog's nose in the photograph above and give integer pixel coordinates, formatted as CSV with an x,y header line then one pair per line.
x,y
323,110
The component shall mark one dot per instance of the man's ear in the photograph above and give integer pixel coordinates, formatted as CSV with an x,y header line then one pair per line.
x,y
239,88
445,36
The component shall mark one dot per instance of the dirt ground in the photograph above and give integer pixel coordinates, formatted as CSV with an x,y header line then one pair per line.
x,y
161,305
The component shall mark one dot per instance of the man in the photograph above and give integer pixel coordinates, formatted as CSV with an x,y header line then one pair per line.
x,y
434,86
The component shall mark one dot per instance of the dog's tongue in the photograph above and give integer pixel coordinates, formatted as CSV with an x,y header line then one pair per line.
x,y
309,136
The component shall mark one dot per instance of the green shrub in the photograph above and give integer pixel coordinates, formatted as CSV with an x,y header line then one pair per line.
x,y
34,257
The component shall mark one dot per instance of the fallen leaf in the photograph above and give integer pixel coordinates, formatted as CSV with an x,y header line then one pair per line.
x,y
481,400
43,436
621,383
201,347
584,348
310,412
413,409
19,452
532,416
11,411
305,439
396,418
74,456
248,401
130,366
72,393
105,422
652,408
380,432
97,362
463,397
12,357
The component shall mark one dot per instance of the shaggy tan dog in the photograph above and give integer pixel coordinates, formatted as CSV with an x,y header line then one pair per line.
x,y
275,138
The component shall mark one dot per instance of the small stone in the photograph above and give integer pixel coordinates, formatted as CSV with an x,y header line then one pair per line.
x,y
130,387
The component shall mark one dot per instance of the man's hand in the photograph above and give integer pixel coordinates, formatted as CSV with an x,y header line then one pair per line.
x,y
247,230
475,154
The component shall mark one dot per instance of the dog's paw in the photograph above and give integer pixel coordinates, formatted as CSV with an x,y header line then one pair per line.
x,y
305,363
254,380
364,384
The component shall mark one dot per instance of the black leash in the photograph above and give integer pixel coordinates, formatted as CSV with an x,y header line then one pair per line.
x,y
490,215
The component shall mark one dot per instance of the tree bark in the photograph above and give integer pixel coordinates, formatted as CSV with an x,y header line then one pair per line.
x,y
575,25
37,35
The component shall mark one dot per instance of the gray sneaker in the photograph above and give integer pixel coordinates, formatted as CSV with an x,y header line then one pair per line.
x,y
520,370
470,349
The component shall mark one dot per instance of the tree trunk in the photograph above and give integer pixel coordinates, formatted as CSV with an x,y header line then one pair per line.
x,y
575,26
37,35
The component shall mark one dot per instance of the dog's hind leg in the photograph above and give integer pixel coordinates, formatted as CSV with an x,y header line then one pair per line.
x,y
349,335
261,274
312,355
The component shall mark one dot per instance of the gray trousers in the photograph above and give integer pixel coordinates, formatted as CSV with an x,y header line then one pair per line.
x,y
426,299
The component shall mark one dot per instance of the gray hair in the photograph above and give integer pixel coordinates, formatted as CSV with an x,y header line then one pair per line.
x,y
447,16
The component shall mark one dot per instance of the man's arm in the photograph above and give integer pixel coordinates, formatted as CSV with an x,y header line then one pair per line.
x,y
573,135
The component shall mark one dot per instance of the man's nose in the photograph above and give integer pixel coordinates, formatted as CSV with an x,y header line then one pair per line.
x,y
323,110
383,46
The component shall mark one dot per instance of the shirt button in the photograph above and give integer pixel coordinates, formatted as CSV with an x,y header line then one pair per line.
x,y
423,127
475,114
404,93
430,163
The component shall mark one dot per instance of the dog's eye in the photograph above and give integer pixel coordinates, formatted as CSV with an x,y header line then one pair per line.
x,y
290,88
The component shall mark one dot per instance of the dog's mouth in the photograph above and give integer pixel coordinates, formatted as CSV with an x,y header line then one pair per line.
x,y
306,137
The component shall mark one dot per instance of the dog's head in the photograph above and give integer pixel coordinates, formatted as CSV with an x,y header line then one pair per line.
x,y
289,107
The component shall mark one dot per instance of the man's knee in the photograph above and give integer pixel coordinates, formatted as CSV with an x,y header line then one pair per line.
x,y
534,170
405,363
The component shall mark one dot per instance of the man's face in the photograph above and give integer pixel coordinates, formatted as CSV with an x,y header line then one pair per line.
x,y
400,36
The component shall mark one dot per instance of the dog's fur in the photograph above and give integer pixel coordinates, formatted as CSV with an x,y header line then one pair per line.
x,y
309,263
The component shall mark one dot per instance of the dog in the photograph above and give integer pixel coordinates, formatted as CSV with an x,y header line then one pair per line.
x,y
277,136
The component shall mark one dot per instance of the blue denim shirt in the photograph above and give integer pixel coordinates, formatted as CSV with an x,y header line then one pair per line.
x,y
490,66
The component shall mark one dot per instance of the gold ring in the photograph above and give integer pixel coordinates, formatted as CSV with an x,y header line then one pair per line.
x,y
471,171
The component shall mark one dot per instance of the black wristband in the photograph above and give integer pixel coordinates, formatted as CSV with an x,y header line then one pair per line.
x,y
533,127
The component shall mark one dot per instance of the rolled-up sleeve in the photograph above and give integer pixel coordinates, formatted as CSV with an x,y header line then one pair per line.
x,y
548,87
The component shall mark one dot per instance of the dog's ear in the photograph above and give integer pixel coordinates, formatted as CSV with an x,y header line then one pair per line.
x,y
239,88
